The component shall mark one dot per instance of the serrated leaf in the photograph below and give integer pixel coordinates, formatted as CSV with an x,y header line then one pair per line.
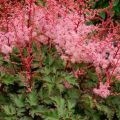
x,y
70,104
73,94
71,80
60,87
50,88
39,110
20,111
7,78
60,104
9,109
47,79
18,100
108,111
32,98
87,101
51,115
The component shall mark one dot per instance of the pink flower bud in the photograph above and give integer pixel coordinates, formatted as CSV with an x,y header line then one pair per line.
x,y
6,49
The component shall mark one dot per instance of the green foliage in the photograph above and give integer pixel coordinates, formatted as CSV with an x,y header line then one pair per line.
x,y
103,15
115,11
49,98
101,4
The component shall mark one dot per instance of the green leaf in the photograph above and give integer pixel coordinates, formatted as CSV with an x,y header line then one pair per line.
x,y
7,78
38,110
60,104
10,118
16,50
73,94
102,14
116,2
60,87
47,79
32,98
70,104
18,100
1,59
71,80
9,109
20,111
50,88
25,118
41,2
87,101
117,9
46,71
108,111
51,115
118,113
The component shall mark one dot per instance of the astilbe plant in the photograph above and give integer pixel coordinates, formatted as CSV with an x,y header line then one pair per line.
x,y
63,24
35,83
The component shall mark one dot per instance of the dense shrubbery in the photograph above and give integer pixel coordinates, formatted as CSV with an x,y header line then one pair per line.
x,y
59,60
